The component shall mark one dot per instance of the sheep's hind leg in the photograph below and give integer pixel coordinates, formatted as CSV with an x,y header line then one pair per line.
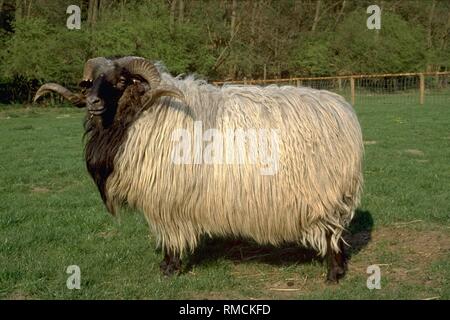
x,y
170,265
337,264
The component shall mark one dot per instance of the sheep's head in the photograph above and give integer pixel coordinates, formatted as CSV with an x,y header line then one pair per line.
x,y
105,80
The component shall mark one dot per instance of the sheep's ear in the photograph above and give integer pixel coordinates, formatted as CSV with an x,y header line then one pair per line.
x,y
162,91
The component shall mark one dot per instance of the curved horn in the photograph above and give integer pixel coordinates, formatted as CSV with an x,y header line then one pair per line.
x,y
148,71
143,68
163,90
93,67
76,99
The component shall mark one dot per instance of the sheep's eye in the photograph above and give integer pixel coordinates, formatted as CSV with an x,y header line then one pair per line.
x,y
86,84
121,83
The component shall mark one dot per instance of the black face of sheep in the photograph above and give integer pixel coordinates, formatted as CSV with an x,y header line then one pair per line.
x,y
103,94
104,91
114,92
105,81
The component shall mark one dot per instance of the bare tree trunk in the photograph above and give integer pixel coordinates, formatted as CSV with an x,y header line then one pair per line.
x,y
94,11
260,21
181,12
18,10
232,34
89,13
316,16
232,70
429,31
100,7
29,9
430,24
253,22
341,13
173,6
233,18
298,11
445,33
277,42
122,9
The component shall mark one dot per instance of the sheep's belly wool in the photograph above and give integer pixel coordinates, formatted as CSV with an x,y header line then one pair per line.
x,y
314,192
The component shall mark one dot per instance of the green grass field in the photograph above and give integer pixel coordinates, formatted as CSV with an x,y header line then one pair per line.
x,y
51,216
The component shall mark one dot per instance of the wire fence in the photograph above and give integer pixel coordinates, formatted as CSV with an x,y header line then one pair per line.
x,y
401,88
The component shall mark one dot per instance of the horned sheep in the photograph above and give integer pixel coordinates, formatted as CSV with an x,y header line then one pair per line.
x,y
133,110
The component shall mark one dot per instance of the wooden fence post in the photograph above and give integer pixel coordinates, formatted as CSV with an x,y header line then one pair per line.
x,y
422,88
352,89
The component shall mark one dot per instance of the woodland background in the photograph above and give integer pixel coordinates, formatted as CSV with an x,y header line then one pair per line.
x,y
220,40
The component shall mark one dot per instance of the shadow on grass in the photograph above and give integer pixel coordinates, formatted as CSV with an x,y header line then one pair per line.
x,y
241,251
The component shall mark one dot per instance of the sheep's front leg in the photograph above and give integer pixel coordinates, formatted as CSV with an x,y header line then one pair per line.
x,y
336,263
171,264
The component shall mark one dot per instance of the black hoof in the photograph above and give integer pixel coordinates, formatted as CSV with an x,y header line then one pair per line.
x,y
337,264
170,266
334,274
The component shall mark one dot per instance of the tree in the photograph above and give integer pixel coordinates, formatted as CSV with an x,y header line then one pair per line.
x,y
224,39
